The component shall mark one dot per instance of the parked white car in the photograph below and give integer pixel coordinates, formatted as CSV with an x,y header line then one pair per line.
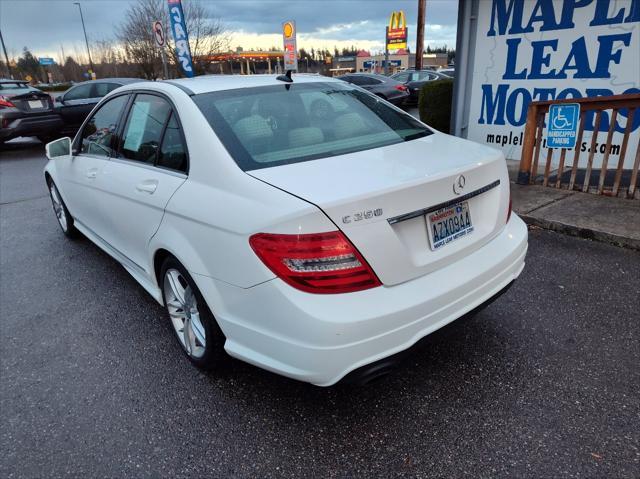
x,y
306,227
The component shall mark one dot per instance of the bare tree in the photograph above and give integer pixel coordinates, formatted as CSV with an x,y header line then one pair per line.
x,y
71,70
106,57
206,35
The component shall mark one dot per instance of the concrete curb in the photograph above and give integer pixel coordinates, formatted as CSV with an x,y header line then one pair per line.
x,y
586,233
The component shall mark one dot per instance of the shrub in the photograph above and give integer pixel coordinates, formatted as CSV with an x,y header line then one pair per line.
x,y
434,104
54,88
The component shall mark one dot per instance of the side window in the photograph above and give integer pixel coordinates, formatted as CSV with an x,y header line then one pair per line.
x,y
98,135
173,153
101,89
143,130
402,77
80,92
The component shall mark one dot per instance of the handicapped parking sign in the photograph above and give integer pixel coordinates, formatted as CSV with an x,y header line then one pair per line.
x,y
562,128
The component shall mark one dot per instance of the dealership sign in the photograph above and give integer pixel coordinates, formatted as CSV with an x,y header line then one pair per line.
x,y
397,31
537,50
179,30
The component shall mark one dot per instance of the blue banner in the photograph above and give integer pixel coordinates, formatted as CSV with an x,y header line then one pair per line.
x,y
179,30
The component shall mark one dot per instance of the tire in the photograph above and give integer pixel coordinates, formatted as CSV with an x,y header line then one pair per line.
x,y
190,318
65,220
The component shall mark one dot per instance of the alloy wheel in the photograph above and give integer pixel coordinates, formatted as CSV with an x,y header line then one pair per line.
x,y
58,207
183,311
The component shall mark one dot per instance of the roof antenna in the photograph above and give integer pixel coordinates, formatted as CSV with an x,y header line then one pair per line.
x,y
286,77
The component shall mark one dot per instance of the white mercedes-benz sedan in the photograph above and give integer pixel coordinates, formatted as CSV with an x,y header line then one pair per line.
x,y
303,225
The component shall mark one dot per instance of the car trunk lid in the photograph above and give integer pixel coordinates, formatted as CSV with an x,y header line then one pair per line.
x,y
28,101
381,198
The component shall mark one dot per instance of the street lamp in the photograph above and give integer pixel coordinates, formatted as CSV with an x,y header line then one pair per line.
x,y
6,57
85,36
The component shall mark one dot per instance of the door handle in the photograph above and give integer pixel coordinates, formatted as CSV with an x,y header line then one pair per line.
x,y
92,173
148,186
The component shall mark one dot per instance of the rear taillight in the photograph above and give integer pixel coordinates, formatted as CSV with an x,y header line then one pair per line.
x,y
401,87
315,263
509,212
4,103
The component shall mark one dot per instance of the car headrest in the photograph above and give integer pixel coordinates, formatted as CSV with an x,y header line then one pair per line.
x,y
305,136
253,128
350,124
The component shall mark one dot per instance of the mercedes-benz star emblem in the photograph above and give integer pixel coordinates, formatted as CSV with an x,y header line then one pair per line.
x,y
458,185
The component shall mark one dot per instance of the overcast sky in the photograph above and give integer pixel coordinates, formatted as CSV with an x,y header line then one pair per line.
x,y
47,25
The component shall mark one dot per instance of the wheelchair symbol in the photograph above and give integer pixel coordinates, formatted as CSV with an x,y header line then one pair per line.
x,y
561,122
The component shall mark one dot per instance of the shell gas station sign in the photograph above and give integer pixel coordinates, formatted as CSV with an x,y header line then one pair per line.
x,y
290,47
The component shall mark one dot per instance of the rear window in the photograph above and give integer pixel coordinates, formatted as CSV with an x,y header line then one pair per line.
x,y
282,124
16,88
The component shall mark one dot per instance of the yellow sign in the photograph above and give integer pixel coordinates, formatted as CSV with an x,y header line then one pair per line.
x,y
397,21
288,30
397,31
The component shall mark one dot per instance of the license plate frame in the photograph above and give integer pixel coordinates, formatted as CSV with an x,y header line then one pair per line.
x,y
36,104
449,224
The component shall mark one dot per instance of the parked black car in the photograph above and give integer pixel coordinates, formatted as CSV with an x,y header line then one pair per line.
x,y
414,79
385,87
26,111
450,72
76,103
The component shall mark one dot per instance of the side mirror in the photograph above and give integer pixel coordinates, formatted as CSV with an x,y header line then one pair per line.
x,y
58,148
59,99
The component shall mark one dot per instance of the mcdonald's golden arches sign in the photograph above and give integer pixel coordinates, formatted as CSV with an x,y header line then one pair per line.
x,y
397,31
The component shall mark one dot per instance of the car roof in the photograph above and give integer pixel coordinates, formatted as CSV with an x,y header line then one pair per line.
x,y
367,74
209,83
372,75
121,81
9,80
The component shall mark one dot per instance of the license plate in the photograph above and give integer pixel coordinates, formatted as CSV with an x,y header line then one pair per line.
x,y
449,224
36,104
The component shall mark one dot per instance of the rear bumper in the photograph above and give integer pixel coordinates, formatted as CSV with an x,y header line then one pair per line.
x,y
414,95
15,126
398,100
321,338
381,367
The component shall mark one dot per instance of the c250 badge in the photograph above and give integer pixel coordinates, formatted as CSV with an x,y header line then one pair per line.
x,y
362,215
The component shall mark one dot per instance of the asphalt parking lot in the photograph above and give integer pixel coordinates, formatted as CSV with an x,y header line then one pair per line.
x,y
543,383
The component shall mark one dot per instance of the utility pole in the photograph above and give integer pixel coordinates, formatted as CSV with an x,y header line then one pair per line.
x,y
85,37
386,51
6,57
420,34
